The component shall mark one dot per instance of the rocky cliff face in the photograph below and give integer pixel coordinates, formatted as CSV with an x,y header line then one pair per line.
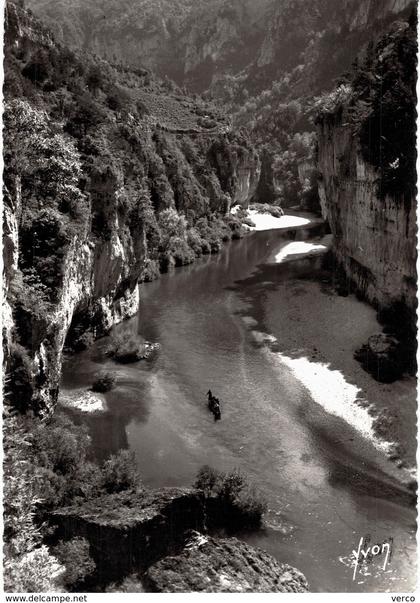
x,y
256,57
367,187
197,42
188,41
374,238
106,173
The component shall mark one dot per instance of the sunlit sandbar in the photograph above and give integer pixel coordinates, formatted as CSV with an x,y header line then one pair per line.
x,y
299,248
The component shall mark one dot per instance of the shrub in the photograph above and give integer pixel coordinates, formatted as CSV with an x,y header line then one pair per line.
x,y
103,383
181,253
207,479
235,225
60,445
195,241
82,342
236,500
126,349
248,222
213,233
130,584
330,102
231,486
74,556
151,271
21,534
119,472
205,246
36,571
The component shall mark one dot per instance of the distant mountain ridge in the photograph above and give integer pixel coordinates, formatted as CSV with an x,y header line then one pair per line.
x,y
195,43
264,61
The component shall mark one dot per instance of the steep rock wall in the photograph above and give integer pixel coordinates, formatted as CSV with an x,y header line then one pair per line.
x,y
195,42
374,239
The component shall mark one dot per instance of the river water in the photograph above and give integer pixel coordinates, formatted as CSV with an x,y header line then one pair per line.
x,y
216,322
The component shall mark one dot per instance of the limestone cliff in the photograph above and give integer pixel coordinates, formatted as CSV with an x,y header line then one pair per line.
x,y
196,42
366,161
374,238
109,177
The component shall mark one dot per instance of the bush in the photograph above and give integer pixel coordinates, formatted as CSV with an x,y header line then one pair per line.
x,y
74,555
181,253
103,383
126,349
119,472
213,232
60,445
21,534
36,571
151,271
236,500
195,241
206,479
130,584
236,228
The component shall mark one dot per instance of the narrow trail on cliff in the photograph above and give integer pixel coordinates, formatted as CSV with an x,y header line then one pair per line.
x,y
221,324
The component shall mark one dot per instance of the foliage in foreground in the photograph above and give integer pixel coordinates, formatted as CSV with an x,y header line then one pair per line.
x,y
234,494
46,466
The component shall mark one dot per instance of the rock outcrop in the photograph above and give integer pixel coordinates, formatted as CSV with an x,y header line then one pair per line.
x,y
158,536
382,357
214,565
129,531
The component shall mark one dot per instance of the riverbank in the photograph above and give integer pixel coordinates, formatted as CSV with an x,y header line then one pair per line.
x,y
256,219
316,338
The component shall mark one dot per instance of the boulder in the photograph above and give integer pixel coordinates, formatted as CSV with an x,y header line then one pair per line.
x,y
222,565
83,401
132,351
381,357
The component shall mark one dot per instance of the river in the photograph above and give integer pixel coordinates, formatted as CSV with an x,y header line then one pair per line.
x,y
226,323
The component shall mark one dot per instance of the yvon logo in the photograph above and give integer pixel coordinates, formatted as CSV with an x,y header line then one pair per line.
x,y
367,553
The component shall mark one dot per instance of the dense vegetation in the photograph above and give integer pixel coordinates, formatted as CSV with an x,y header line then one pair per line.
x,y
91,148
46,465
231,501
266,62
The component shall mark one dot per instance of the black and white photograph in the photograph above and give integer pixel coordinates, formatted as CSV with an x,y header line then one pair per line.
x,y
209,299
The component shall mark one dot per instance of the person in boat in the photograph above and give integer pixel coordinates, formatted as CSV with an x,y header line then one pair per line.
x,y
214,405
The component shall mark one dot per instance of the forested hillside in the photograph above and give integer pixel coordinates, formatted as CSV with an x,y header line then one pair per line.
x,y
265,61
110,177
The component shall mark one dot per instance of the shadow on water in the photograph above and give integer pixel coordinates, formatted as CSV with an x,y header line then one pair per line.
x,y
128,401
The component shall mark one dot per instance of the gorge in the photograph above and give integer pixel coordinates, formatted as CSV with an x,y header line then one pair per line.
x,y
114,176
